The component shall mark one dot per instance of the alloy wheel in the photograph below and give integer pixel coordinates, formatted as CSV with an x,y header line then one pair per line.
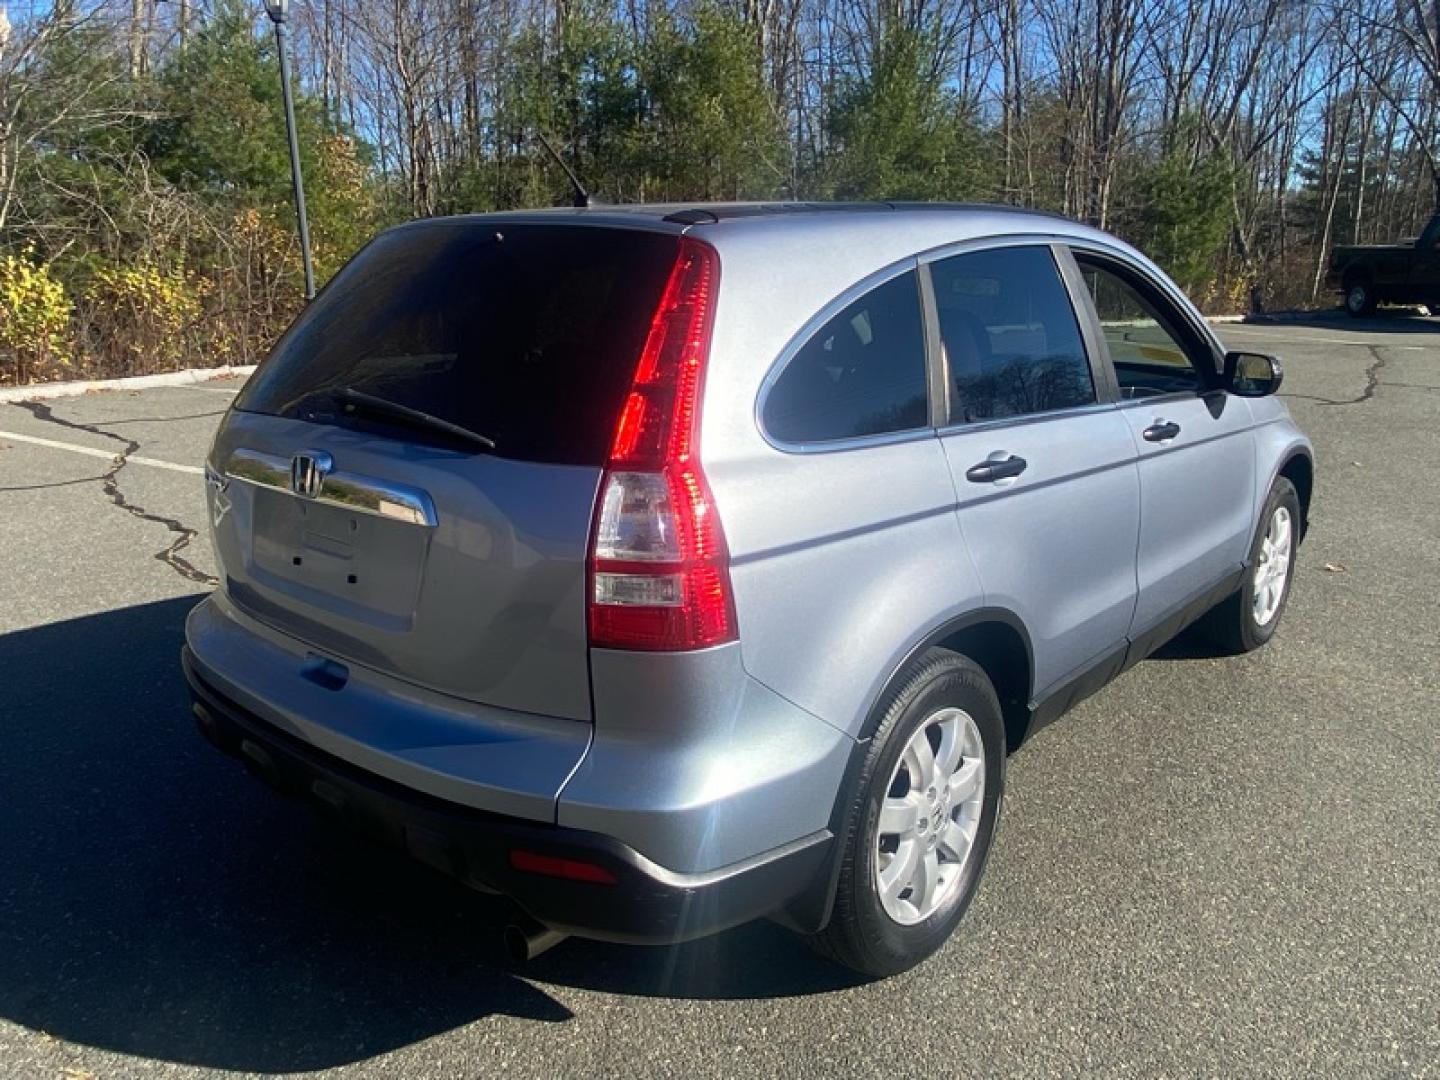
x,y
1272,569
930,815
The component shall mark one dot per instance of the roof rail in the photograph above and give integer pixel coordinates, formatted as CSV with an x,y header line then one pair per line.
x,y
710,215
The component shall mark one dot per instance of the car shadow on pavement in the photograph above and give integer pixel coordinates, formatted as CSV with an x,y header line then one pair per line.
x,y
1384,321
155,900
1192,643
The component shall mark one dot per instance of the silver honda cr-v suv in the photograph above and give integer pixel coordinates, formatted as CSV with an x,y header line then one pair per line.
x,y
662,568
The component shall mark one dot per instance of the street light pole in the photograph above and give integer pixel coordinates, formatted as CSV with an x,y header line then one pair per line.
x,y
279,10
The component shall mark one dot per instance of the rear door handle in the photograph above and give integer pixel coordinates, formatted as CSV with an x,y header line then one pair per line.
x,y
1161,431
987,472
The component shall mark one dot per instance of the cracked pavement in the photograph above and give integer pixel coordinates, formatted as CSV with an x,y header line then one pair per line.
x,y
110,484
1219,867
77,530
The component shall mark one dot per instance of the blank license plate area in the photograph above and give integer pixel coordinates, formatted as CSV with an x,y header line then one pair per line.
x,y
357,565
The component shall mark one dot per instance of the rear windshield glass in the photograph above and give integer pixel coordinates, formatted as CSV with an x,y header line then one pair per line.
x,y
526,334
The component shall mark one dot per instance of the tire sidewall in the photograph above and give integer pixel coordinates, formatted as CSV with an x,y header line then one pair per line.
x,y
1282,493
1365,302
895,947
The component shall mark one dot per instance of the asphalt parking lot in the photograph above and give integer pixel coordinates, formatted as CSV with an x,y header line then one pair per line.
x,y
1212,867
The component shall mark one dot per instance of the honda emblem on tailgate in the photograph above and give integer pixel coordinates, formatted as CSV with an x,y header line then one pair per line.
x,y
308,472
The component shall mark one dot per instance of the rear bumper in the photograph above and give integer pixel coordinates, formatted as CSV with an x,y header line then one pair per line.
x,y
644,903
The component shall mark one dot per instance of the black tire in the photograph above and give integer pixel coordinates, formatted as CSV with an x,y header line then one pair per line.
x,y
861,935
1232,625
1359,296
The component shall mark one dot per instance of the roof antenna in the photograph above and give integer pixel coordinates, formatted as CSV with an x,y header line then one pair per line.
x,y
582,197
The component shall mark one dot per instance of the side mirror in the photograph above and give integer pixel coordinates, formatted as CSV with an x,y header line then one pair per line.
x,y
1249,374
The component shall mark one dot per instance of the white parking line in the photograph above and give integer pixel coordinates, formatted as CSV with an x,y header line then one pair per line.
x,y
90,451
1270,334
211,389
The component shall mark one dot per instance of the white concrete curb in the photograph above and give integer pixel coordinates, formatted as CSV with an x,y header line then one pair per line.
x,y
187,377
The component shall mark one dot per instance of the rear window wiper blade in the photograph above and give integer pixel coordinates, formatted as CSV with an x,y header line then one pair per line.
x,y
357,401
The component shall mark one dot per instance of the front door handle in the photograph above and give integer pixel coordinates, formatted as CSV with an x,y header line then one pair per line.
x,y
987,472
1161,431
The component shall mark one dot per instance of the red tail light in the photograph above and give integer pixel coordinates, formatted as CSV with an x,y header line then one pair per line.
x,y
659,576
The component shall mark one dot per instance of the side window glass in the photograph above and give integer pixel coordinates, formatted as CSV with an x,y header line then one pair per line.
x,y
862,373
1149,358
1010,334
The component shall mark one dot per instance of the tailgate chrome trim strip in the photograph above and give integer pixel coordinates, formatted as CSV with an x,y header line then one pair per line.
x,y
347,491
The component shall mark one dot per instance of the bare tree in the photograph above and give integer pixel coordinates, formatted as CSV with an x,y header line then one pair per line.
x,y
45,88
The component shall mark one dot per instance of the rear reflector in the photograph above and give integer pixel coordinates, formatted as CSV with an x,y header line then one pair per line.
x,y
659,573
532,862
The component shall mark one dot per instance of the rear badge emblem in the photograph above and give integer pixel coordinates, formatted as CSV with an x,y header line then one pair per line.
x,y
308,472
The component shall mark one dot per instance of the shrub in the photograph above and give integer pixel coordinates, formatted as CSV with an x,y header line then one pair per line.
x,y
256,289
142,318
34,321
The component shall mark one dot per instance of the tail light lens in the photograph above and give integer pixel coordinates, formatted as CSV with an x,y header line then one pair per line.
x,y
659,576
532,862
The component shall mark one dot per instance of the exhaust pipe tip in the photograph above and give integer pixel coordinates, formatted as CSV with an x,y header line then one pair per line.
x,y
526,942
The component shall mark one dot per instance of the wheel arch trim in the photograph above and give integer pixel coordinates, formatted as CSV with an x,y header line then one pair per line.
x,y
941,632
1292,458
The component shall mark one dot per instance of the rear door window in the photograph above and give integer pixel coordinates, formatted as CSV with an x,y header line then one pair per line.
x,y
1010,334
862,373
527,334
